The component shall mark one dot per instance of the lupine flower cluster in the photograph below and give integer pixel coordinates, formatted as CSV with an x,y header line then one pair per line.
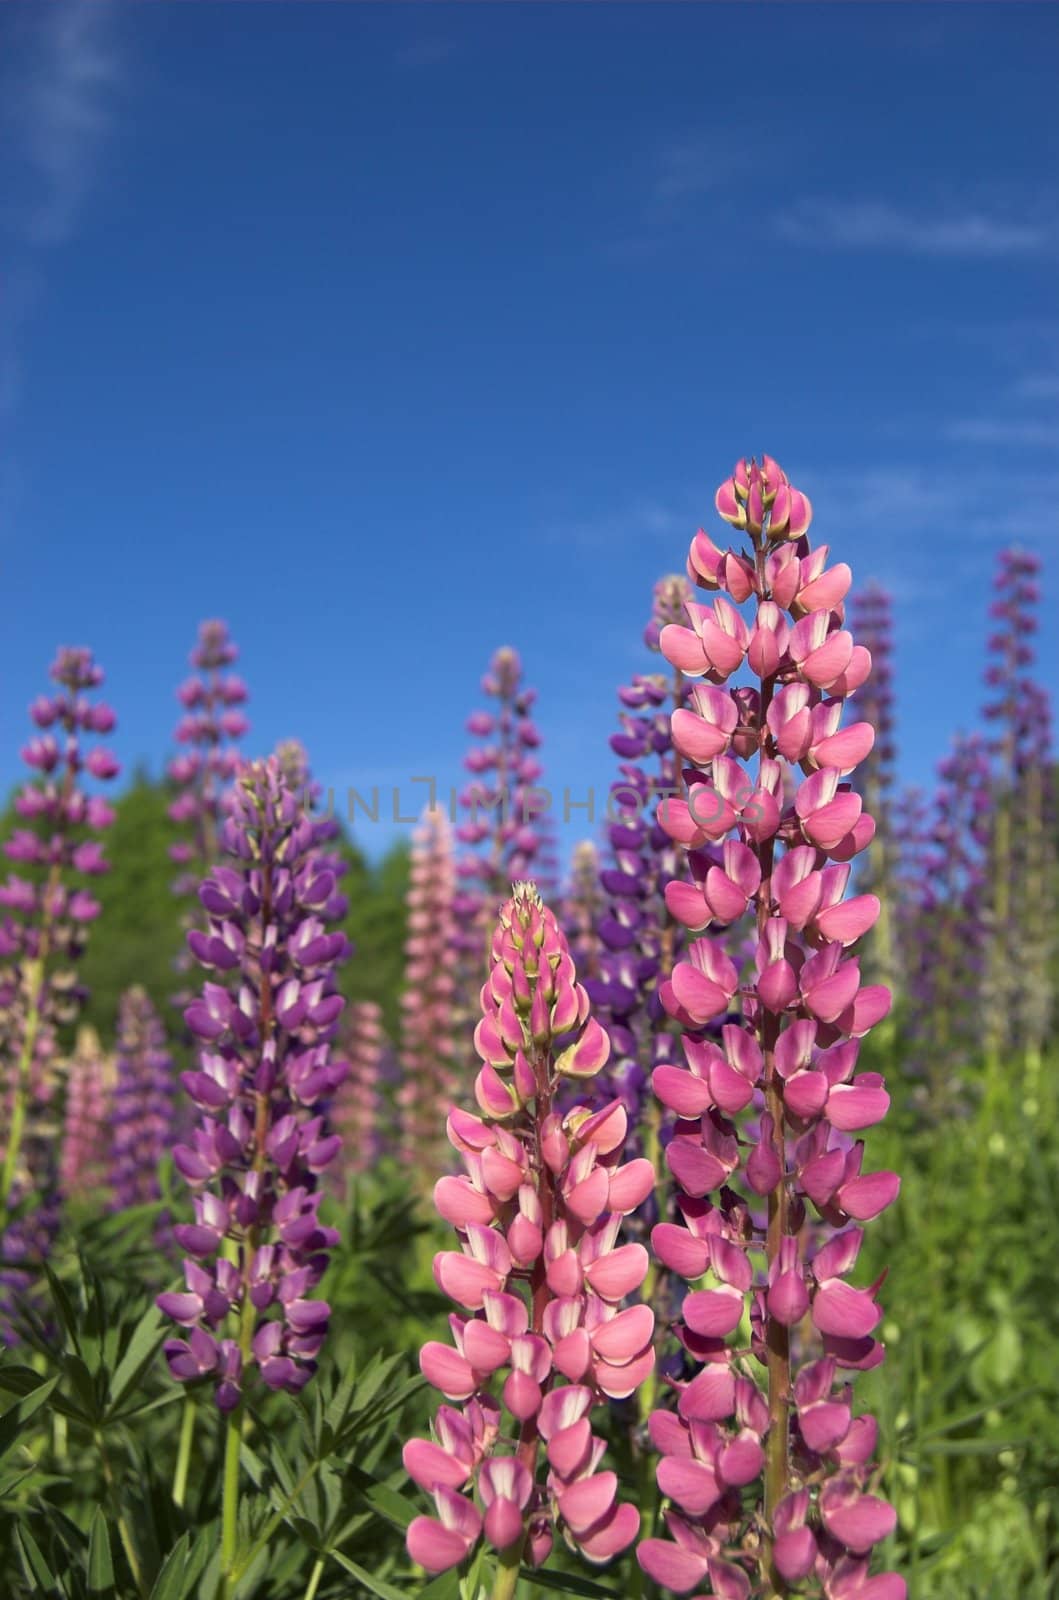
x,y
427,1043
636,931
948,944
1018,987
766,1471
143,1102
209,730
46,909
256,1247
540,1277
871,618
499,824
583,907
86,1118
358,1108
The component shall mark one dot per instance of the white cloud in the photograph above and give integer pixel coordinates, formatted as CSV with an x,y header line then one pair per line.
x,y
57,83
1003,430
878,225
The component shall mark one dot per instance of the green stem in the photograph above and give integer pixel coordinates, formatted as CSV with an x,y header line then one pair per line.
x,y
124,1531
34,982
183,1460
314,1579
505,1583
233,1434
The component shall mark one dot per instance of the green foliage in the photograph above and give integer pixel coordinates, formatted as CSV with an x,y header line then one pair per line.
x,y
969,1393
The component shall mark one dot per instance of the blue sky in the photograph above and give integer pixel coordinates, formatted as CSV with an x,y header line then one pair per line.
x,y
394,333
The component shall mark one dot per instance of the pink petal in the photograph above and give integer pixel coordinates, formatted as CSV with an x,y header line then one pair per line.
x,y
446,1370
587,1500
679,1250
692,1484
671,1566
619,1272
616,1532
681,1091
840,1309
435,1547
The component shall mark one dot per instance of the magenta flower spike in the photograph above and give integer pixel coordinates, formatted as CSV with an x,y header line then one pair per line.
x,y
143,1102
765,1470
44,929
358,1108
427,1045
265,1021
540,1336
209,731
501,824
86,1119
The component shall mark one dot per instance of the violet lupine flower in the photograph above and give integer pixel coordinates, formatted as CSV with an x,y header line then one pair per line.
x,y
540,1277
358,1110
294,767
502,807
871,618
789,1063
1017,989
143,1102
638,935
427,1048
210,728
44,928
947,951
256,1247
86,1118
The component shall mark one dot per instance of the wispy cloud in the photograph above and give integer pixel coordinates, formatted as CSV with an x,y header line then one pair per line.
x,y
1037,386
60,70
878,225
1003,431
428,51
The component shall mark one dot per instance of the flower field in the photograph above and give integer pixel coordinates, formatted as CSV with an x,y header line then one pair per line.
x,y
673,1215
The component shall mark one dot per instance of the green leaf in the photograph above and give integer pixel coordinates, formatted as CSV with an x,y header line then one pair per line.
x,y
171,1582
100,1560
39,1575
140,1352
13,1421
378,1586
565,1583
390,1505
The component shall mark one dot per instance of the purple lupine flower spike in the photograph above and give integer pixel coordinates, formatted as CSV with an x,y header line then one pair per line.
x,y
1017,987
209,730
143,1102
86,1119
502,809
44,922
947,949
766,1473
265,1020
